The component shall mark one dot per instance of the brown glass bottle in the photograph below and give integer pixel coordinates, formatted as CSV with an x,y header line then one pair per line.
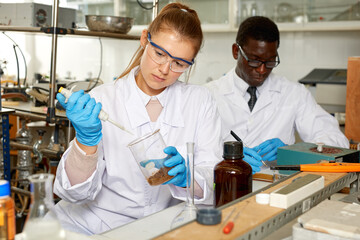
x,y
232,176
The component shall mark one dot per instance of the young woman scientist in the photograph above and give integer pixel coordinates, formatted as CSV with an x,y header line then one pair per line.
x,y
98,179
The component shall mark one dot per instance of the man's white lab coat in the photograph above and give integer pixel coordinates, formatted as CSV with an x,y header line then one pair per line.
x,y
117,192
282,108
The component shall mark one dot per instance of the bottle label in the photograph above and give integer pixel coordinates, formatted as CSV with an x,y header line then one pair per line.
x,y
7,220
11,223
2,218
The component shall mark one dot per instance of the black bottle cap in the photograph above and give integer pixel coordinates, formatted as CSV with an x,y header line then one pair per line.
x,y
233,150
208,216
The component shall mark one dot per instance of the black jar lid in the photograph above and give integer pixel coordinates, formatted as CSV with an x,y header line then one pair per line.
x,y
208,216
233,150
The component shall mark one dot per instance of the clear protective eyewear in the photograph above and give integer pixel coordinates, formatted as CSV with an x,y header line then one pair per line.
x,y
257,63
161,56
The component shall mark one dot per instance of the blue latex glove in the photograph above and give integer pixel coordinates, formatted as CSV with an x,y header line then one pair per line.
x,y
252,158
268,149
83,112
179,169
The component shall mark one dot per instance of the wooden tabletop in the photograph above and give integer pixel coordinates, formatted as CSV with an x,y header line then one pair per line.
x,y
252,214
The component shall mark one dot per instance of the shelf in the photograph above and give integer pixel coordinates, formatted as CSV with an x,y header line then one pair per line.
x,y
294,27
6,111
98,2
29,107
283,27
320,26
28,110
72,32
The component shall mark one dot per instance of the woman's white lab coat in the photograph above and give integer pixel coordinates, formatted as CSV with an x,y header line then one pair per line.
x,y
282,108
117,192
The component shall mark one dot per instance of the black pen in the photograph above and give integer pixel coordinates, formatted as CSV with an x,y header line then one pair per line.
x,y
239,140
235,136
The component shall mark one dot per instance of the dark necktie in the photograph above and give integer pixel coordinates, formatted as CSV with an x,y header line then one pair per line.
x,y
252,101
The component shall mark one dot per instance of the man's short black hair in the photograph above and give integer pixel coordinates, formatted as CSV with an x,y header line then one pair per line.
x,y
258,28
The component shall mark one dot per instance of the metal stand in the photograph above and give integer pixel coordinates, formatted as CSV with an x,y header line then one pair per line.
x,y
50,116
155,9
6,141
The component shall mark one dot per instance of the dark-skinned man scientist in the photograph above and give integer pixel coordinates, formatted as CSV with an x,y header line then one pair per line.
x,y
263,109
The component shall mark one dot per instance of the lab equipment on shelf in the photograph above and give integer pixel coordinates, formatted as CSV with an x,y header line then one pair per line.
x,y
24,164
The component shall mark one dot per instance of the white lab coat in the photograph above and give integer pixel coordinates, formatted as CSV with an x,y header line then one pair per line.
x,y
282,108
117,192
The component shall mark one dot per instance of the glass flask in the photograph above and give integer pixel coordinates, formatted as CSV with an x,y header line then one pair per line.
x,y
37,227
188,213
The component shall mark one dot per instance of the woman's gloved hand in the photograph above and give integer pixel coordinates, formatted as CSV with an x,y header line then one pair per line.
x,y
83,112
252,158
179,169
268,149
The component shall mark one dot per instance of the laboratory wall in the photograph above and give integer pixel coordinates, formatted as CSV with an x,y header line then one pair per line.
x,y
299,52
80,58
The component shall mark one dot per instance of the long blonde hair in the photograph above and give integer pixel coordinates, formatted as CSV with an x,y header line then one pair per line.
x,y
175,17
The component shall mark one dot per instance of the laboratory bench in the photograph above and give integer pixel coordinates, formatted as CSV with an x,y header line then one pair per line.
x,y
153,225
263,222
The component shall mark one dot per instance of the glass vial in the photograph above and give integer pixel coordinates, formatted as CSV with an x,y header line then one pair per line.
x,y
36,227
232,176
7,212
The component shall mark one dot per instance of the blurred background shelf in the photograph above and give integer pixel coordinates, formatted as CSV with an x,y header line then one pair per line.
x,y
71,32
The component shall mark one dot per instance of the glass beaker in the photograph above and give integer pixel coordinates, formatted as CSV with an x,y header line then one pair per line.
x,y
188,213
36,227
148,152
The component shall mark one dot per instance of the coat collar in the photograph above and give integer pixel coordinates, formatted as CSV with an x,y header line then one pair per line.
x,y
135,105
233,87
232,83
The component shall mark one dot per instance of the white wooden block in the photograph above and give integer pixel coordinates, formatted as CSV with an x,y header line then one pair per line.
x,y
296,191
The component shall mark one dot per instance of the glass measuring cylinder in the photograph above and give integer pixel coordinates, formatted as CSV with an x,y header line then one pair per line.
x,y
188,213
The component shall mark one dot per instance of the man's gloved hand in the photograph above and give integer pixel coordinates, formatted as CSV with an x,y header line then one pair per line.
x,y
179,169
83,112
268,149
252,158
